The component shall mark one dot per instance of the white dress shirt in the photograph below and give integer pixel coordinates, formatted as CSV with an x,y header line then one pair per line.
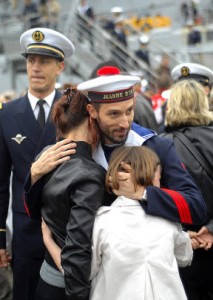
x,y
47,106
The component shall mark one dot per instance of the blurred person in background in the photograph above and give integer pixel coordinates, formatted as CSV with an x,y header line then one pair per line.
x,y
143,113
163,83
118,49
86,17
7,96
164,66
116,13
31,14
119,32
54,9
189,123
44,14
194,35
143,51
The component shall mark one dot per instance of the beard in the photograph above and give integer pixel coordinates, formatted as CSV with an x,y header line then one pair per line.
x,y
116,136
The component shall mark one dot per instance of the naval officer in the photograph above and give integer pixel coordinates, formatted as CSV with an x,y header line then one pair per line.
x,y
25,129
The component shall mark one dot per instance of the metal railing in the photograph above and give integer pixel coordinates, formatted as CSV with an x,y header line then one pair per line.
x,y
95,45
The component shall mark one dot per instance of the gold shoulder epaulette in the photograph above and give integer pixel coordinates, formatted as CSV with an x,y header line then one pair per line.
x,y
1,105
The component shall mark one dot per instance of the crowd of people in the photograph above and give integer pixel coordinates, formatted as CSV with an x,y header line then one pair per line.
x,y
31,13
105,171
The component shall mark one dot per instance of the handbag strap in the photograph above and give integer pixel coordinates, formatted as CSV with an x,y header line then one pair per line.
x,y
186,142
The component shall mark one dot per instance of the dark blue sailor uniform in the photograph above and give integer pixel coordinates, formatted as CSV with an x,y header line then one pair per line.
x,y
20,141
178,199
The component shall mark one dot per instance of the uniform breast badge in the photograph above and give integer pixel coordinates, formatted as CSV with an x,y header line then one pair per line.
x,y
19,138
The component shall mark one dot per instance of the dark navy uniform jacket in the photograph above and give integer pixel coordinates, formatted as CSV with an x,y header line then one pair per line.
x,y
178,199
20,141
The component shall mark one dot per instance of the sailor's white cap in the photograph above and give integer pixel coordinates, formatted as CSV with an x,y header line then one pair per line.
x,y
116,9
108,89
192,71
144,39
45,41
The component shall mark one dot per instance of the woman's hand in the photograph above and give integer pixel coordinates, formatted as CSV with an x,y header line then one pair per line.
x,y
51,158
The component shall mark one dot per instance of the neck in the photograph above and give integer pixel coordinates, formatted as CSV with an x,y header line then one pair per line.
x,y
41,95
80,133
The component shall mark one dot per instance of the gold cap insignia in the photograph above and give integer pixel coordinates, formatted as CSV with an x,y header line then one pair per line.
x,y
184,71
38,36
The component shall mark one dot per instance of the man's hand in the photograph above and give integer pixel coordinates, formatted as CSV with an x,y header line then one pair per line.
x,y
202,239
5,258
51,158
126,187
195,243
206,237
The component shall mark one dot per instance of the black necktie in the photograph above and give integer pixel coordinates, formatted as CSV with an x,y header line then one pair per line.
x,y
41,113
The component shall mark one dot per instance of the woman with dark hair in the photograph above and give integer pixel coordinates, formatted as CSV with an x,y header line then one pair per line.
x,y
70,197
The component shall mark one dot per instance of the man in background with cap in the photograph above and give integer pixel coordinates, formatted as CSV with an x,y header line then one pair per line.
x,y
117,13
143,51
25,129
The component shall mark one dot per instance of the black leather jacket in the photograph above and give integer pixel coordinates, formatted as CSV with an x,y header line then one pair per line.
x,y
71,195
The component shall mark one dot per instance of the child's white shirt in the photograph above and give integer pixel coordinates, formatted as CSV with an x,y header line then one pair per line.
x,y
136,256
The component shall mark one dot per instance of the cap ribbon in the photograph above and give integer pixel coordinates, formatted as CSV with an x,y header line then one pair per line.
x,y
108,97
47,48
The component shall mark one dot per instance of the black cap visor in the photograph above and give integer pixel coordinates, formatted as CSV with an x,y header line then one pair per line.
x,y
44,50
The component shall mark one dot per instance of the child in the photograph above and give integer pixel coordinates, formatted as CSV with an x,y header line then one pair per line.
x,y
135,255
